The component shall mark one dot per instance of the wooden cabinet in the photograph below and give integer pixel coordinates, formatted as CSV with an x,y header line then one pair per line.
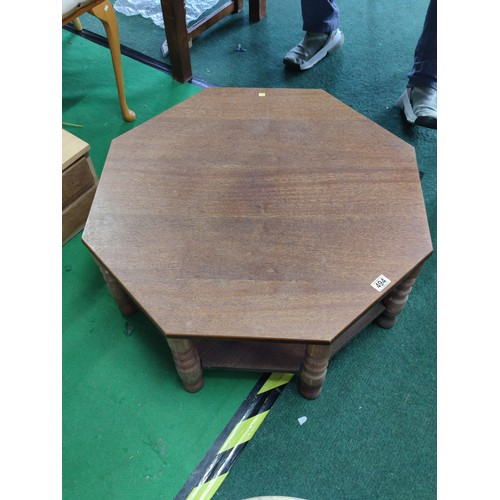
x,y
79,183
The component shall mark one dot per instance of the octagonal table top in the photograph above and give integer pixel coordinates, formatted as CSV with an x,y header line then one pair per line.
x,y
258,214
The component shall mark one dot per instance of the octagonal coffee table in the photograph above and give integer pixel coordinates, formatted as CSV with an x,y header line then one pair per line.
x,y
259,229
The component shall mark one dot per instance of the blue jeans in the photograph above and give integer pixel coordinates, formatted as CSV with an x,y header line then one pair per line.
x,y
424,71
321,16
324,16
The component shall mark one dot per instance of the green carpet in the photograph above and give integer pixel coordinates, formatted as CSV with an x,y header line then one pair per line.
x,y
130,431
90,98
372,433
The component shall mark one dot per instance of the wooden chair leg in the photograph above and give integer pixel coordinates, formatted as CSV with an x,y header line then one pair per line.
x,y
178,39
106,14
257,9
77,24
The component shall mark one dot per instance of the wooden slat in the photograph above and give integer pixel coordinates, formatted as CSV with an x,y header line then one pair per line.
x,y
205,23
251,356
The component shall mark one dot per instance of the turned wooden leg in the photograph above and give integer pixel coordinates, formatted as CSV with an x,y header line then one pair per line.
x,y
127,307
313,370
106,14
187,363
395,302
257,9
77,24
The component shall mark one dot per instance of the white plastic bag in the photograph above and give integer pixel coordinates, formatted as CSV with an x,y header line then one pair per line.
x,y
151,9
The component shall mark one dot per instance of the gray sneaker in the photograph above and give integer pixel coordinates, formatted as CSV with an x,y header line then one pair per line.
x,y
419,105
313,47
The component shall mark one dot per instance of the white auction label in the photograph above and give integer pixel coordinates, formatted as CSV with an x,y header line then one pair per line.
x,y
380,283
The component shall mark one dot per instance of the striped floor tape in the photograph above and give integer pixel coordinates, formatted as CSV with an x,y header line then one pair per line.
x,y
214,468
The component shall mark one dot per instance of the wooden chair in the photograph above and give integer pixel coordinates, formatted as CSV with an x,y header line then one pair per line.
x,y
179,37
103,10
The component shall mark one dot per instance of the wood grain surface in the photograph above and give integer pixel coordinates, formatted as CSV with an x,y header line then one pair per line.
x,y
73,148
258,214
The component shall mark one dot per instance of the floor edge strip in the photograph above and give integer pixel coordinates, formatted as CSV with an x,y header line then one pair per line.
x,y
221,457
134,54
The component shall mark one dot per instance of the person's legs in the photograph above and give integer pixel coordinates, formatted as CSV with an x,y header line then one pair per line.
x,y
419,100
424,71
321,23
321,16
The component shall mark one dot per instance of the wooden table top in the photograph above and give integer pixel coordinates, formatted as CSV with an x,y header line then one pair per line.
x,y
258,214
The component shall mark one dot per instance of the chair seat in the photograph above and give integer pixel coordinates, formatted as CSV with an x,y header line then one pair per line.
x,y
70,6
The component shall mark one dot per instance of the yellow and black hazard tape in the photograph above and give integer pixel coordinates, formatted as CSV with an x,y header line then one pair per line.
x,y
214,468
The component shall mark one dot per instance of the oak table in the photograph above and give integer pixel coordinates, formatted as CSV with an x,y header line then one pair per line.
x,y
259,229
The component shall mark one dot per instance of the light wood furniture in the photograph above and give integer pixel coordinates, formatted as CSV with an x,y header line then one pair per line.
x,y
180,37
103,10
79,184
260,229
